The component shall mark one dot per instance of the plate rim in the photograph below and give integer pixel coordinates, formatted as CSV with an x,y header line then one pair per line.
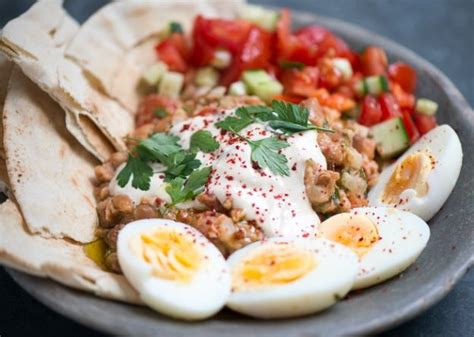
x,y
436,293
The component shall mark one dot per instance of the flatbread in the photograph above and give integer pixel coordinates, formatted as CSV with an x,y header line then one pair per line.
x,y
36,41
57,259
50,173
108,45
5,69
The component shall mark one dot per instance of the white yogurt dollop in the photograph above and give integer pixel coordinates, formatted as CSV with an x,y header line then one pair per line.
x,y
277,203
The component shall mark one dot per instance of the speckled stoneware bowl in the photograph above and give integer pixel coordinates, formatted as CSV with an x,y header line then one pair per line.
x,y
449,253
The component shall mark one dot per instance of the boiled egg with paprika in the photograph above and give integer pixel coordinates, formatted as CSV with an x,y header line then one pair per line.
x,y
282,277
422,179
174,268
386,240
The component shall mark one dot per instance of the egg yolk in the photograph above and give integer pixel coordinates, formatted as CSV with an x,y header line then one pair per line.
x,y
411,173
354,231
172,255
276,264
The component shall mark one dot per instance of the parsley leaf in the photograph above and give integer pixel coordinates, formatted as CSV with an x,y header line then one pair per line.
x,y
158,146
181,190
160,112
265,154
238,123
140,171
261,112
203,140
180,164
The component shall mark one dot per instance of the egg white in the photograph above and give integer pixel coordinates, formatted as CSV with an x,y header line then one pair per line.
x,y
402,238
444,144
199,298
331,280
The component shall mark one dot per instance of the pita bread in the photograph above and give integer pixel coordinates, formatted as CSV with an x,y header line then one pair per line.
x,y
5,69
57,259
109,45
50,173
36,41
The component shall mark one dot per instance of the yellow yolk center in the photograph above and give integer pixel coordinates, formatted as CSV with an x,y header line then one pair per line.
x,y
411,173
276,264
172,255
354,231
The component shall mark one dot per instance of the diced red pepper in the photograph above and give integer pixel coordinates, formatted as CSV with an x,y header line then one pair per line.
x,y
424,123
373,61
371,112
405,99
300,82
404,75
288,98
389,105
410,126
174,52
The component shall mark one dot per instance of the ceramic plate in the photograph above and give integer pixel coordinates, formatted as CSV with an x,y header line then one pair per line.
x,y
448,255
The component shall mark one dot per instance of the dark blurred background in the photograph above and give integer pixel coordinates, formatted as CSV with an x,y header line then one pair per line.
x,y
441,31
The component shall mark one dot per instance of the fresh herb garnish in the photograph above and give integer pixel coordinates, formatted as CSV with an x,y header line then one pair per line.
x,y
176,27
292,65
265,152
284,117
204,141
180,164
164,149
140,171
181,190
160,112
238,123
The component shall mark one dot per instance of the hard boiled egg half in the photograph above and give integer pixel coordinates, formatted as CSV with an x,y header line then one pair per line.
x,y
386,240
175,269
422,179
282,277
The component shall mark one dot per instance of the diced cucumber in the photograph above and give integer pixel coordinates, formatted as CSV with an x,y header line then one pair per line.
x,y
262,17
344,66
426,106
153,74
171,84
237,89
222,59
391,137
207,77
261,84
373,85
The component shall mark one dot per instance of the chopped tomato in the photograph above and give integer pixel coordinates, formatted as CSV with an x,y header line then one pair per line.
x,y
373,61
389,105
285,40
174,52
410,126
255,53
404,75
288,98
146,110
308,44
210,34
424,123
371,112
405,99
300,82
203,51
